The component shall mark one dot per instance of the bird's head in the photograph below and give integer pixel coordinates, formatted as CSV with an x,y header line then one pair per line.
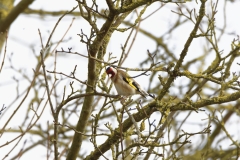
x,y
111,72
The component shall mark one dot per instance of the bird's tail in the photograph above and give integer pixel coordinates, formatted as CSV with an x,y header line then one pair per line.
x,y
145,94
151,95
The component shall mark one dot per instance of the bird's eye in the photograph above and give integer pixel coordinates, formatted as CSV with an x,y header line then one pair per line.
x,y
108,69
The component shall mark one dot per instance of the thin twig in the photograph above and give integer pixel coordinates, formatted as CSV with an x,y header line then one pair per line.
x,y
88,135
5,51
50,36
64,35
43,52
40,35
133,121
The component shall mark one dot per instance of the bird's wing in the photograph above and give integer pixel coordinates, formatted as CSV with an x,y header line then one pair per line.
x,y
131,83
134,85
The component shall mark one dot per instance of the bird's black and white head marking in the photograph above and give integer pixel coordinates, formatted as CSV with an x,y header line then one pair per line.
x,y
111,72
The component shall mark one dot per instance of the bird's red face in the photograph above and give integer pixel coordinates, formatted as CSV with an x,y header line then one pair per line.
x,y
111,72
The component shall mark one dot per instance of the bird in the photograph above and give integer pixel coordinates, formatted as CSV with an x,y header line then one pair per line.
x,y
124,84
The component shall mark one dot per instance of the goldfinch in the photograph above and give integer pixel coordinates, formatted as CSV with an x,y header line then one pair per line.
x,y
124,84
